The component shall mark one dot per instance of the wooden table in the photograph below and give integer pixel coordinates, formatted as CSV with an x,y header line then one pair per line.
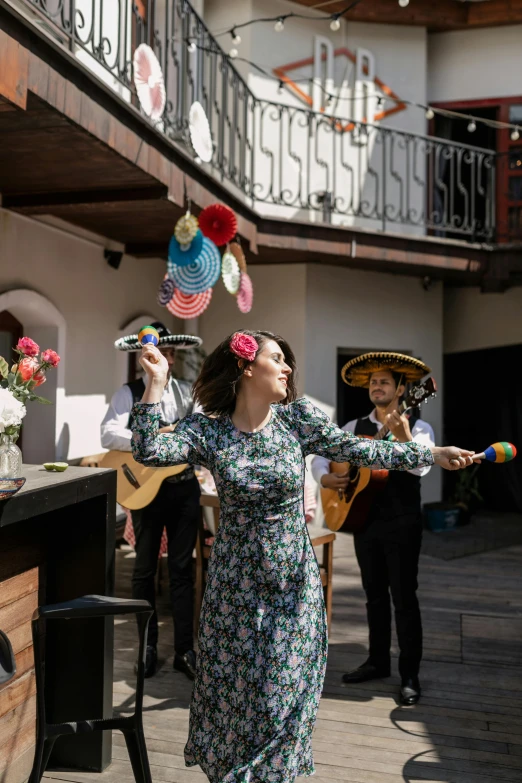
x,y
57,543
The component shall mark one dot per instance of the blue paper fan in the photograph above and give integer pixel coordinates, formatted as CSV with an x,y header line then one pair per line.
x,y
203,273
179,257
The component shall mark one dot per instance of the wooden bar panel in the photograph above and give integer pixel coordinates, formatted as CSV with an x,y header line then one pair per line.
x,y
14,65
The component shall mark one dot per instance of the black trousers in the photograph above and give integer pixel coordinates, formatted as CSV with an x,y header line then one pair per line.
x,y
388,556
176,507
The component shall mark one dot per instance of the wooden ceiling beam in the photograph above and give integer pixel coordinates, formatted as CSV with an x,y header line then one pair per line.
x,y
439,16
37,202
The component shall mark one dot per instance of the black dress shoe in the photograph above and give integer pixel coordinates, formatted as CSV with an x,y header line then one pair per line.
x,y
367,671
151,661
186,663
410,691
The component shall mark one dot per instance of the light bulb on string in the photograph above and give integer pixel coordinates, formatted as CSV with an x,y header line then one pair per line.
x,y
279,25
236,39
515,135
430,114
335,24
404,3
233,53
192,47
280,88
472,126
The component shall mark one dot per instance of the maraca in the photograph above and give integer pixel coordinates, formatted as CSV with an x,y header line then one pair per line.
x,y
148,335
498,452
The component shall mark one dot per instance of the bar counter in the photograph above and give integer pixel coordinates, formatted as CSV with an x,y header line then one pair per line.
x,y
57,543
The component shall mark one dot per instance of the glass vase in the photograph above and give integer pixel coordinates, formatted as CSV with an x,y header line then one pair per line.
x,y
10,454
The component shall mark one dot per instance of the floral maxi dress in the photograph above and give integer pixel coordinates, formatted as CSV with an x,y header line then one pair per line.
x,y
263,639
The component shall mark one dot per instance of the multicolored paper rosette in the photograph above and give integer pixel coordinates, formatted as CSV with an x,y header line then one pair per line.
x,y
181,255
230,273
202,273
186,229
237,251
166,291
189,305
218,223
245,295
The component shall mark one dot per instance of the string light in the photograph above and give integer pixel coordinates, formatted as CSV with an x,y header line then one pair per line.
x,y
335,24
192,47
279,25
404,3
515,135
472,126
236,39
233,53
430,114
280,88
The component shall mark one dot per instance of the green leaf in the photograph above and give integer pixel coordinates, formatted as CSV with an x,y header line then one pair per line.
x,y
4,367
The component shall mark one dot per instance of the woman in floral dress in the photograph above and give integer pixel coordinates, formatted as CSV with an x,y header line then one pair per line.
x,y
263,638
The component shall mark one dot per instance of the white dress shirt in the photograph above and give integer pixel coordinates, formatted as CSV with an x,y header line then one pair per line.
x,y
422,432
115,433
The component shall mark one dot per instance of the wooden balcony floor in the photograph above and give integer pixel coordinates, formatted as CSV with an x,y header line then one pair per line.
x,y
467,728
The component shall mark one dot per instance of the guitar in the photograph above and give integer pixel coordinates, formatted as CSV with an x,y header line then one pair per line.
x,y
137,485
346,510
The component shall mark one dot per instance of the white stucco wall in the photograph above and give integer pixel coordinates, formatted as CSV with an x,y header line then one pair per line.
x,y
95,302
474,320
475,64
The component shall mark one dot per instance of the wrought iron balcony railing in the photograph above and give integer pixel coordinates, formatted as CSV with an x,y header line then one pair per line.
x,y
284,160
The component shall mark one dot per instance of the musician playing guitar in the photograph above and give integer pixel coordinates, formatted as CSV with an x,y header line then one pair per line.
x,y
175,507
388,545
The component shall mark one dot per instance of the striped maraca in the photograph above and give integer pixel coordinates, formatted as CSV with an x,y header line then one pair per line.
x,y
148,335
498,452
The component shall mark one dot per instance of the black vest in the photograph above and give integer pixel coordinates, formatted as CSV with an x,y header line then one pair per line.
x,y
401,495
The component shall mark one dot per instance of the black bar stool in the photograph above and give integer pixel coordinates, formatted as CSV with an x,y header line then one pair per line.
x,y
90,606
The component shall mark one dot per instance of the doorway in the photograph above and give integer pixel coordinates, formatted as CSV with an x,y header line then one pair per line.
x,y
11,330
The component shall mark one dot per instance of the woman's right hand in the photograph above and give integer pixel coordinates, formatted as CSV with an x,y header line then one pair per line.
x,y
155,365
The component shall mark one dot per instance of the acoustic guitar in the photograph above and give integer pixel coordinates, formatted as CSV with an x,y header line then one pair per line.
x,y
137,485
347,510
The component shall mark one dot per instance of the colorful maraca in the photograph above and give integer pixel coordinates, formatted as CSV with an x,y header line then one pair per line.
x,y
498,452
148,335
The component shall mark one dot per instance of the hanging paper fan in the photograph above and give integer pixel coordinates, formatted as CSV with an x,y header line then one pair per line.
x,y
181,255
237,251
166,291
148,79
189,305
200,134
218,223
230,272
202,273
245,296
186,229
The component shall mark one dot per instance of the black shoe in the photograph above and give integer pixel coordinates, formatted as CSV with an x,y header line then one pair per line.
x,y
151,661
410,691
186,663
367,671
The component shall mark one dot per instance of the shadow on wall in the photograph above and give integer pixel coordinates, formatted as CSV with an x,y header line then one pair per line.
x,y
62,444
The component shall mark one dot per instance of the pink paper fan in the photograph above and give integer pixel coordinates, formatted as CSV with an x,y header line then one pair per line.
x,y
189,305
148,79
245,295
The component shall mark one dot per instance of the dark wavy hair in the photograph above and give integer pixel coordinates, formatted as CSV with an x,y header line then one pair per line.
x,y
216,386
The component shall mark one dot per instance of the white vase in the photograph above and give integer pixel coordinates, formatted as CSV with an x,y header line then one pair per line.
x,y
10,456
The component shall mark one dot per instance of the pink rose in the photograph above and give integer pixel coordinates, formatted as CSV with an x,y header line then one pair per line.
x,y
244,346
27,368
51,357
27,346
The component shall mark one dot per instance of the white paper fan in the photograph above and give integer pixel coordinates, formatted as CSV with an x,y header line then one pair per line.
x,y
148,79
200,134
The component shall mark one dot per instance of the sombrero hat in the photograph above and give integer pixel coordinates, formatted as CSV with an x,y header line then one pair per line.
x,y
177,341
357,372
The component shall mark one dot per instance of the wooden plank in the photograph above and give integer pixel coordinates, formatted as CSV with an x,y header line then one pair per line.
x,y
18,612
16,692
14,67
18,586
17,731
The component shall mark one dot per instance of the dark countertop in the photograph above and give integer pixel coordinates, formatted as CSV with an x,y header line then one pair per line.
x,y
46,491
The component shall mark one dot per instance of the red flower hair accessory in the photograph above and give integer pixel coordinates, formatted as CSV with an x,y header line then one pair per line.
x,y
244,346
218,223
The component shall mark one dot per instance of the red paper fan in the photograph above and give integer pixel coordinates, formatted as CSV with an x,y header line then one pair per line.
x,y
218,223
189,305
245,295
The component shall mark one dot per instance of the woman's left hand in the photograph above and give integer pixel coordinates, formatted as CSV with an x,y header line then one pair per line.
x,y
453,458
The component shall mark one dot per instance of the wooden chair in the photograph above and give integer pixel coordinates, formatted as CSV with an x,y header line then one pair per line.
x,y
319,537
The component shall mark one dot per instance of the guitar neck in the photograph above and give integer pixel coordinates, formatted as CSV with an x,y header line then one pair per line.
x,y
385,431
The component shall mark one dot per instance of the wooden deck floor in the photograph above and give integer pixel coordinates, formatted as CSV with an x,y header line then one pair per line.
x,y
466,729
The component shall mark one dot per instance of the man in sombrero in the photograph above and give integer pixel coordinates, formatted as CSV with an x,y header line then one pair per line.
x,y
175,507
388,546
